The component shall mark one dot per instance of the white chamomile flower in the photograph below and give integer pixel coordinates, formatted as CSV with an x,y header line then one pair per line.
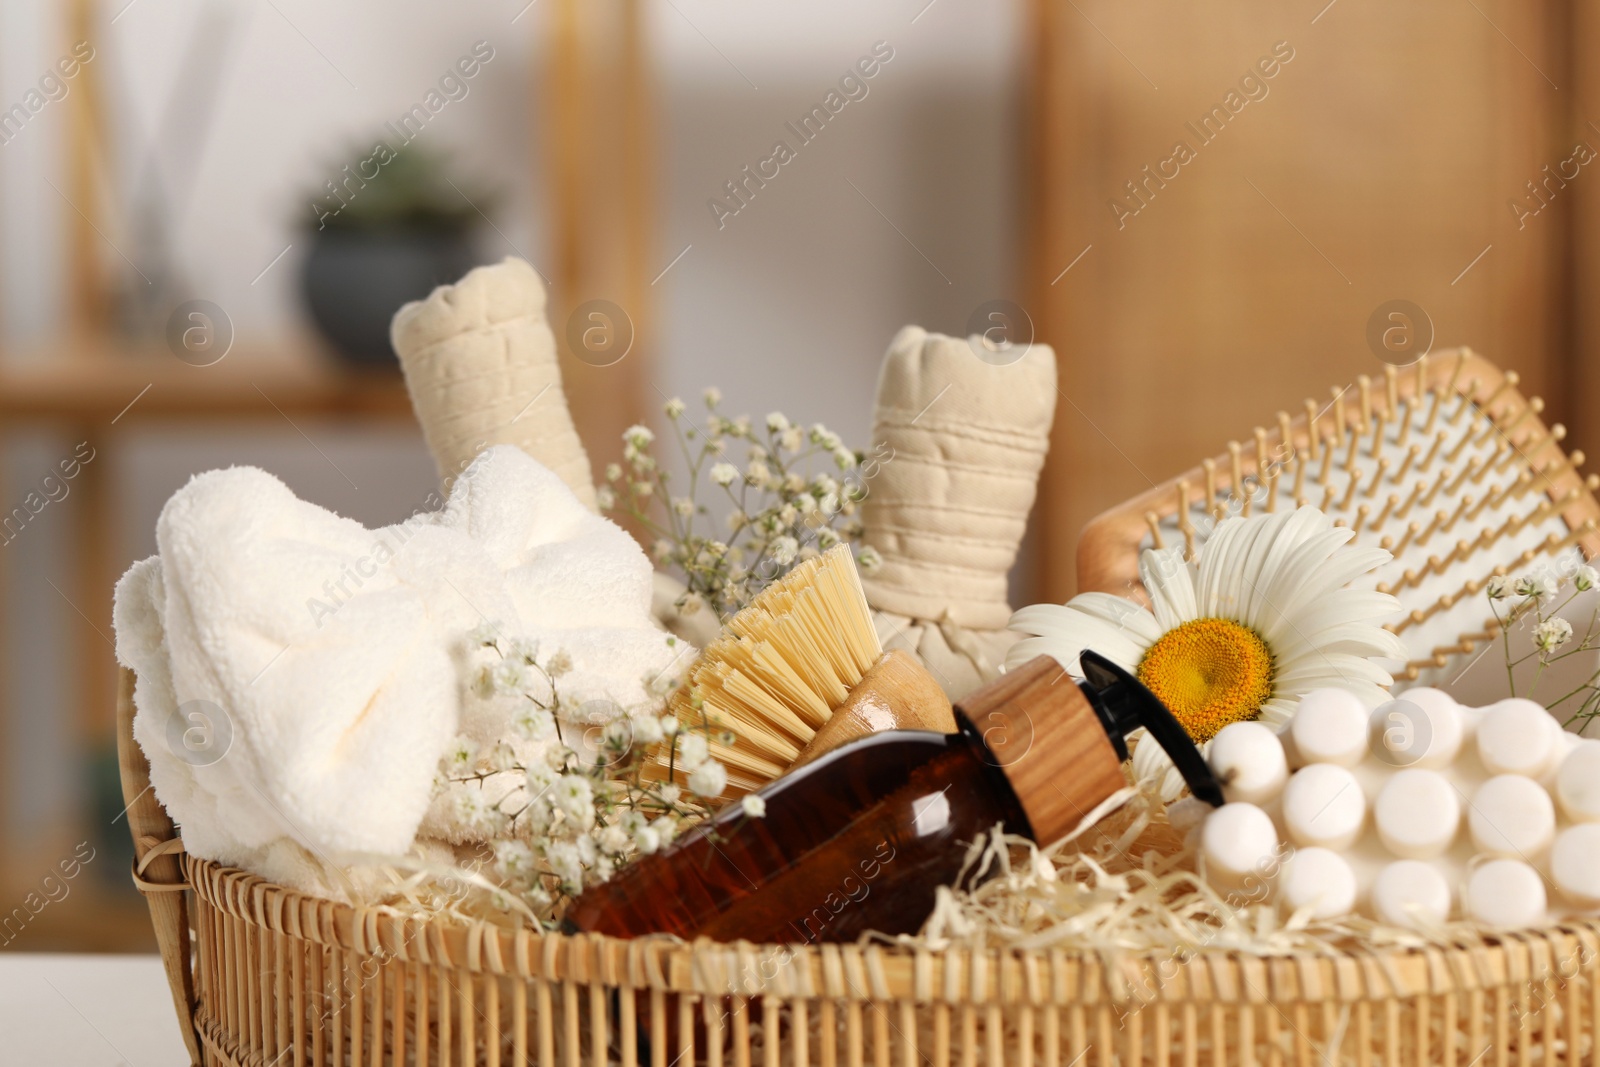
x,y
1552,634
502,757
692,751
509,676
461,756
538,778
514,858
646,730
1532,587
1586,579
1262,620
563,859
754,805
470,810
869,560
614,838
709,779
724,473
784,550
574,795
1497,586
534,724
584,843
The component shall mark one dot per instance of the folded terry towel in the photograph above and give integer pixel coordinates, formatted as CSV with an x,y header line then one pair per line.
x,y
335,656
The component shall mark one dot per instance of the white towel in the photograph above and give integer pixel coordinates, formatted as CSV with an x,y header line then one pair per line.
x,y
337,654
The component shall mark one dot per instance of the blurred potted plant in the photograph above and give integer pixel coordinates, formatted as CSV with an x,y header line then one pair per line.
x,y
385,230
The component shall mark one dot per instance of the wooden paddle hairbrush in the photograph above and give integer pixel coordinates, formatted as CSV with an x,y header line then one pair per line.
x,y
801,671
1443,463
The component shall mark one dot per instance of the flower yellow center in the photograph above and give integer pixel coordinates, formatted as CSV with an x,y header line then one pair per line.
x,y
1209,672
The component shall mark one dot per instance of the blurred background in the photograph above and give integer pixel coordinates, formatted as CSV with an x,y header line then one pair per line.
x,y
1200,209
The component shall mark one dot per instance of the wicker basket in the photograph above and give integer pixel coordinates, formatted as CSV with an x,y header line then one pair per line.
x,y
264,976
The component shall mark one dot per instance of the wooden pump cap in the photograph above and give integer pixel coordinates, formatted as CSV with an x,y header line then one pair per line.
x,y
1045,735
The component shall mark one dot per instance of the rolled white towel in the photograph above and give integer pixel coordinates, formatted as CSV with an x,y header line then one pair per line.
x,y
336,656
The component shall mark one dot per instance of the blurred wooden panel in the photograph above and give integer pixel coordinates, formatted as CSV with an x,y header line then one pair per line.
x,y
595,126
1377,162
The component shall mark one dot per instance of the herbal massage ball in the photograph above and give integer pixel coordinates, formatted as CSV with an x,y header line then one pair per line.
x,y
1417,813
1511,816
1330,726
1505,894
1238,840
1318,879
1577,782
1323,805
1575,865
1411,893
1247,758
1515,737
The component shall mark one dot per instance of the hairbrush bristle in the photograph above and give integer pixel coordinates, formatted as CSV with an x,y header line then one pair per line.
x,y
1448,468
782,665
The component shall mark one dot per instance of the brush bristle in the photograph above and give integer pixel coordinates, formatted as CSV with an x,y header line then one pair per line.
x,y
782,665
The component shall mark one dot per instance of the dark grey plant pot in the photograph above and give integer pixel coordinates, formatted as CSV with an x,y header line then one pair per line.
x,y
355,280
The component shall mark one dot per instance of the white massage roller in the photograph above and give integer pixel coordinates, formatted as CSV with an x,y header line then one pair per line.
x,y
957,445
480,364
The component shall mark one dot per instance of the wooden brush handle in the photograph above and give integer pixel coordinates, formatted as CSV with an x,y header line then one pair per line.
x,y
898,693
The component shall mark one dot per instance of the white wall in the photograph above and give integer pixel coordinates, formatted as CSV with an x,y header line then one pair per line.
x,y
789,305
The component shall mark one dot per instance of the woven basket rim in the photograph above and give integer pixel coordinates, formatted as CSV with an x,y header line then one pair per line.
x,y
865,972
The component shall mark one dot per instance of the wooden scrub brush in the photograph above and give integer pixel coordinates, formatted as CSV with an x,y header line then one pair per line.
x,y
800,671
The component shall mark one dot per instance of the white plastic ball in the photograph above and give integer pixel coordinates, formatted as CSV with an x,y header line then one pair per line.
x,y
1318,879
1423,728
1575,864
1323,806
1330,726
1505,894
1417,813
1511,816
1578,782
1238,841
1248,760
1412,894
1515,738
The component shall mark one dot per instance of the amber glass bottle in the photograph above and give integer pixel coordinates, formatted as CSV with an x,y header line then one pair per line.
x,y
862,838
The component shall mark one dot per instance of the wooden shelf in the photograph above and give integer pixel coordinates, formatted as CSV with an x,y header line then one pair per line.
x,y
98,383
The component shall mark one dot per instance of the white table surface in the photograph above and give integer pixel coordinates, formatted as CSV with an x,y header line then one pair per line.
x,y
86,1011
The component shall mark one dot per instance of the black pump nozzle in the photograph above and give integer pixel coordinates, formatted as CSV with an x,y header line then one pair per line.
x,y
1124,705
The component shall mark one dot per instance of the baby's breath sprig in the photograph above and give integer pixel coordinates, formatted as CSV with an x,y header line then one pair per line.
x,y
781,511
1536,595
579,807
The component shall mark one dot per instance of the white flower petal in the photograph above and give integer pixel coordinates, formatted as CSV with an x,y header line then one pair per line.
x,y
1151,764
1170,582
